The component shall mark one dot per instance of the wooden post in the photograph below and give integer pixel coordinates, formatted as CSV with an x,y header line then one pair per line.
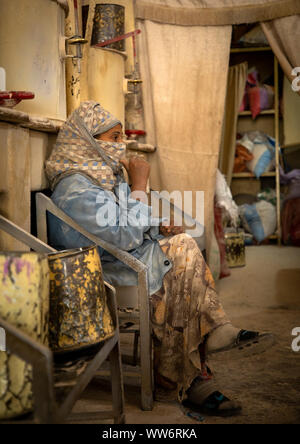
x,y
276,78
15,181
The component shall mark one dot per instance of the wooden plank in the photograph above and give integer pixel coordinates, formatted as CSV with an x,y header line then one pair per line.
x,y
251,49
27,121
15,168
290,145
266,112
247,175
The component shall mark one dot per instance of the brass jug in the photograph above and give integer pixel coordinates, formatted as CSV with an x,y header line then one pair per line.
x,y
24,303
79,315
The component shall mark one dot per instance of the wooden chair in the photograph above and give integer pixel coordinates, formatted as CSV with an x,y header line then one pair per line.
x,y
126,296
46,408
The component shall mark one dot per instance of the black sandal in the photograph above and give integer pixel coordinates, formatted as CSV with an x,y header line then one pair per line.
x,y
215,405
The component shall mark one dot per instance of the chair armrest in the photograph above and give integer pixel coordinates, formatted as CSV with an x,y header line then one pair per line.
x,y
23,345
22,235
44,204
41,359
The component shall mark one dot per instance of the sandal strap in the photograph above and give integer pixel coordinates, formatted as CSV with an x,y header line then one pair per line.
x,y
215,400
246,335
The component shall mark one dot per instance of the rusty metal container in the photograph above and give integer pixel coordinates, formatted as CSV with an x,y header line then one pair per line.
x,y
109,22
24,303
235,249
79,315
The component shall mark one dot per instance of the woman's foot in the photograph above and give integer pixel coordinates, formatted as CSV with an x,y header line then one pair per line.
x,y
201,399
240,343
217,405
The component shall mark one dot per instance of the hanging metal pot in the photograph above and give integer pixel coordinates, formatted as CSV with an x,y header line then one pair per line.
x,y
79,316
24,303
109,22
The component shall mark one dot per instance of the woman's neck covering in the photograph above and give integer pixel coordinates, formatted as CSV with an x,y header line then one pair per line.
x,y
77,151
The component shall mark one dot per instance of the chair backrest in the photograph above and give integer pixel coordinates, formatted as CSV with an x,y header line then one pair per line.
x,y
44,205
126,296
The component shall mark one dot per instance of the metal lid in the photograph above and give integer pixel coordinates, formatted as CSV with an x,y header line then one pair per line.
x,y
69,253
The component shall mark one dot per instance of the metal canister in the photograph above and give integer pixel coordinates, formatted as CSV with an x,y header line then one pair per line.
x,y
79,315
109,22
24,303
235,250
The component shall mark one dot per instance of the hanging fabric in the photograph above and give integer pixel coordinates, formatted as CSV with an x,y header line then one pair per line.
x,y
214,12
184,70
235,91
284,37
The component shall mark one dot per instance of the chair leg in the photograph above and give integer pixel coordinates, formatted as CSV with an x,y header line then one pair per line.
x,y
146,345
146,370
136,347
117,384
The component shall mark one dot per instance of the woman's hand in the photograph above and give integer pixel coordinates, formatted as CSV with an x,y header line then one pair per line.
x,y
171,230
138,170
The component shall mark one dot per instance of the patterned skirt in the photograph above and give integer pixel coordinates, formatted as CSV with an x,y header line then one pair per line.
x,y
183,312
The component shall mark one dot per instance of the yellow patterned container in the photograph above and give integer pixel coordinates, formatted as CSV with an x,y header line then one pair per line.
x,y
235,250
24,302
79,316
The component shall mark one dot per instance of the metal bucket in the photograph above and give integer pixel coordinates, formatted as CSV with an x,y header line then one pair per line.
x,y
109,22
79,316
24,303
235,250
30,32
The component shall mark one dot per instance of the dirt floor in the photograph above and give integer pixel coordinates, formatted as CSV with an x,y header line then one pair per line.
x,y
264,296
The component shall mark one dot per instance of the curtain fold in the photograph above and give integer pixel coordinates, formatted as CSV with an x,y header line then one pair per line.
x,y
214,12
237,78
284,38
184,70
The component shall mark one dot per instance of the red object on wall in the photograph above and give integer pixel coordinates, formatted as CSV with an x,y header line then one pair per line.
x,y
135,133
10,99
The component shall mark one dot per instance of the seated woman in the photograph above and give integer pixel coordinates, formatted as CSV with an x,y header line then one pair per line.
x,y
189,323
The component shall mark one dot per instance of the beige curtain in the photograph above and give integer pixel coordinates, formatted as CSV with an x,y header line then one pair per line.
x,y
235,91
284,37
184,55
184,70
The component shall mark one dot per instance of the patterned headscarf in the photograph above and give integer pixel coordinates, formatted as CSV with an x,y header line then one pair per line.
x,y
77,151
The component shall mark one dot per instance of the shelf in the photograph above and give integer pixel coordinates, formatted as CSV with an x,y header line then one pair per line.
x,y
290,145
266,112
252,176
273,237
251,49
263,54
